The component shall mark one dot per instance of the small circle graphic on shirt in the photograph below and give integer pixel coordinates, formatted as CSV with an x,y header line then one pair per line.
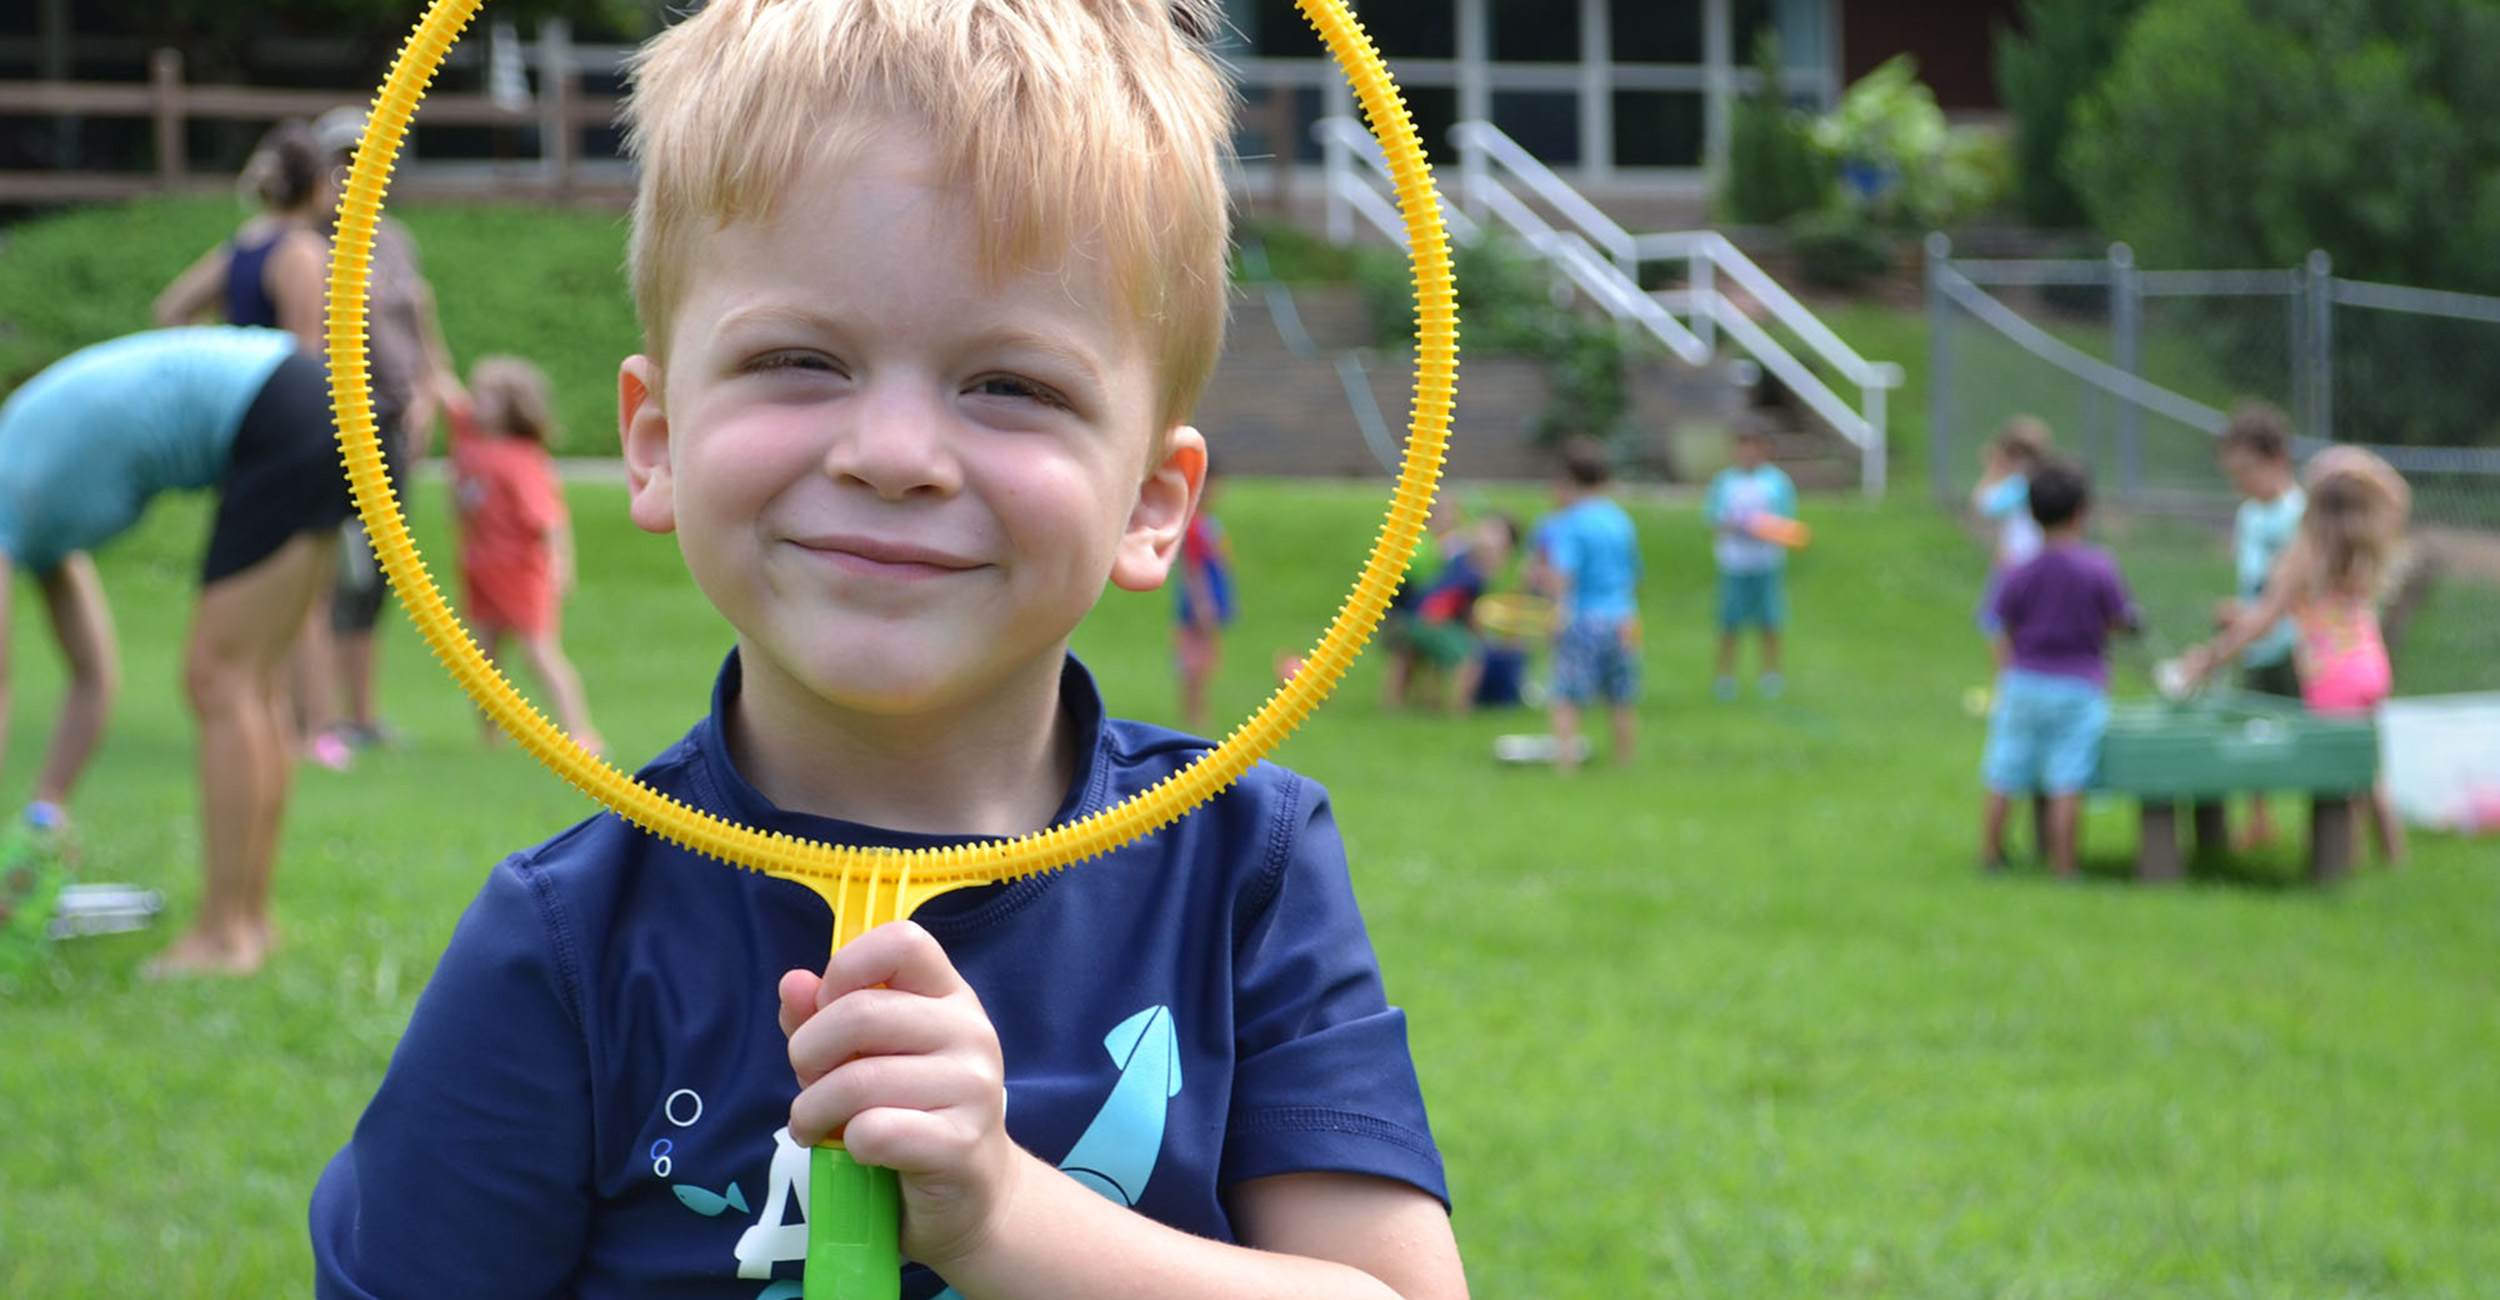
x,y
686,1099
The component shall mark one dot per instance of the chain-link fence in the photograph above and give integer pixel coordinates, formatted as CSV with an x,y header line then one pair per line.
x,y
2134,371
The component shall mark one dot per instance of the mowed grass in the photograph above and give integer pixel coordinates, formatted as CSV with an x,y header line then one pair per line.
x,y
1738,1021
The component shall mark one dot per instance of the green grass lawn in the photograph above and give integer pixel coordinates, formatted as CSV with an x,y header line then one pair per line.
x,y
1739,1021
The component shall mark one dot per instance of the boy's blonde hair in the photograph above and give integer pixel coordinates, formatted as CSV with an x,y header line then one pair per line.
x,y
1063,123
512,397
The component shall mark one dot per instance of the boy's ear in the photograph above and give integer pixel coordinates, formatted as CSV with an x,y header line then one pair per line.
x,y
1161,517
642,424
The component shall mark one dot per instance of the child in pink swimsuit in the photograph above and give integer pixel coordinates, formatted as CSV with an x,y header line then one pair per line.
x,y
2327,583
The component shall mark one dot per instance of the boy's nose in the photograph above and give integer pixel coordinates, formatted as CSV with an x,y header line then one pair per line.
x,y
894,442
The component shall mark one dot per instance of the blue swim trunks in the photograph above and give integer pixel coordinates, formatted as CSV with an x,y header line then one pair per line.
x,y
2044,735
1755,599
1592,663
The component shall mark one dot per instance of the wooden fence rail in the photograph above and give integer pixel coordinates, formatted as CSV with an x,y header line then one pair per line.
x,y
560,113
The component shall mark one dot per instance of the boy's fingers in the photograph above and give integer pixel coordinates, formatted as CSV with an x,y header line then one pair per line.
x,y
899,955
951,1091
885,1022
798,999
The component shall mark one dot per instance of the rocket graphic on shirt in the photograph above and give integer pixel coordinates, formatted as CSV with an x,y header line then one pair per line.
x,y
1114,1156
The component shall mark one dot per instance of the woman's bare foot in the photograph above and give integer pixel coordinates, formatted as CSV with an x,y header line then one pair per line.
x,y
198,953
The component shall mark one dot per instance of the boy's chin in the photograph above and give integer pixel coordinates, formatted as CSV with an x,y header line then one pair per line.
x,y
897,681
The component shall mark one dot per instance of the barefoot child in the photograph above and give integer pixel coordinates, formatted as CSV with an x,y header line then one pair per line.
x,y
2327,582
928,293
2054,615
516,541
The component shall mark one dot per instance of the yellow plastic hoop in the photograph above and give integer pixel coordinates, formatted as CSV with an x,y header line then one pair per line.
x,y
853,878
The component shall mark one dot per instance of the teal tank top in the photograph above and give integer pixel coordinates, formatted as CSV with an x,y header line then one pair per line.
x,y
86,443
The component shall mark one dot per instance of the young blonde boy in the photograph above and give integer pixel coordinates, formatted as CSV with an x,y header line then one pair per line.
x,y
928,290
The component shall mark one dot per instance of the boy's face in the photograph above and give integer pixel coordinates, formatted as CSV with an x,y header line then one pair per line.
x,y
1750,451
2254,475
903,483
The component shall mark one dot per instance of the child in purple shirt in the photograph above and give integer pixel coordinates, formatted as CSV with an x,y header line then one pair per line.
x,y
2054,615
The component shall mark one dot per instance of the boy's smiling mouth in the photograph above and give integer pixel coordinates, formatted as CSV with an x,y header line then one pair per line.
x,y
886,558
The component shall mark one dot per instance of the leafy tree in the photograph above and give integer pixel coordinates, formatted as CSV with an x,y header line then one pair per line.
x,y
2058,55
1774,170
2248,132
218,37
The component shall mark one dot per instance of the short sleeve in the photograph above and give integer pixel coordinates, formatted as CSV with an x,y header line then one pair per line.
x,y
2006,496
1323,1081
470,1173
1783,494
2004,602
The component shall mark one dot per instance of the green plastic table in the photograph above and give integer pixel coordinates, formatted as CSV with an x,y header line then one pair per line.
x,y
2199,751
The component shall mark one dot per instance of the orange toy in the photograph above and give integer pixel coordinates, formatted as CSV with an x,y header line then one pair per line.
x,y
1790,533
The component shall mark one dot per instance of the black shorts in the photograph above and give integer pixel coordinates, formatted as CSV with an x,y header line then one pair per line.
x,y
2277,678
357,604
283,476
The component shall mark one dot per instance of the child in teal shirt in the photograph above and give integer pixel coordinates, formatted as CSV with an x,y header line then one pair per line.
x,y
1752,571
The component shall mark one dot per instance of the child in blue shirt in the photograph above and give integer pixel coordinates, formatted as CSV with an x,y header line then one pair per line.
x,y
927,293
2256,453
2003,499
1589,560
1753,589
2055,615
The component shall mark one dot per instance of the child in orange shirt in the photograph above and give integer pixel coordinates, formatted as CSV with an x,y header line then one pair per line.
x,y
516,540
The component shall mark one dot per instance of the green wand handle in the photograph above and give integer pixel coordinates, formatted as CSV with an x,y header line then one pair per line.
x,y
854,1228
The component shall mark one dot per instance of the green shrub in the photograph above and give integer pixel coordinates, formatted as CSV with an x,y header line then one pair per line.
x,y
2248,132
1916,171
1838,248
1507,303
2060,55
1774,170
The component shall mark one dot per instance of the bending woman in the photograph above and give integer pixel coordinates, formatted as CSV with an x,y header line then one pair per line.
x,y
83,447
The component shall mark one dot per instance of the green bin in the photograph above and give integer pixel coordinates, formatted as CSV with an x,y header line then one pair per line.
x,y
2225,742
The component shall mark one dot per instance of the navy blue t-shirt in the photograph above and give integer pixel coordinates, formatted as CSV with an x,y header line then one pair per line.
x,y
591,1096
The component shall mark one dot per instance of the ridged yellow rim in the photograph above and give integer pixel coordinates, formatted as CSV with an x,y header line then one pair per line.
x,y
868,885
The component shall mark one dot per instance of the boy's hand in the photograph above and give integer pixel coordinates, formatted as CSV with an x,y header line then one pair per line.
x,y
895,1055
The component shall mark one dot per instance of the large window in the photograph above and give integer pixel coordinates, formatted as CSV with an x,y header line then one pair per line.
x,y
1658,128
1544,122
1656,31
1535,31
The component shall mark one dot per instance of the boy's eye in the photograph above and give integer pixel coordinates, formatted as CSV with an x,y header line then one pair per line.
x,y
792,360
1016,387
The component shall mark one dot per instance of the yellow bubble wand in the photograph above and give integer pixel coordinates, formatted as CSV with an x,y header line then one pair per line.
x,y
853,1216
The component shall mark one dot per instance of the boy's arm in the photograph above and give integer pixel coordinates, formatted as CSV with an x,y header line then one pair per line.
x,y
1714,506
1783,495
2291,573
469,1173
894,1052
893,1047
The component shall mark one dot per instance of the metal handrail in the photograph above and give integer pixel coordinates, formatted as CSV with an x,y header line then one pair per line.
x,y
1603,261
1343,142
1484,151
1723,255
